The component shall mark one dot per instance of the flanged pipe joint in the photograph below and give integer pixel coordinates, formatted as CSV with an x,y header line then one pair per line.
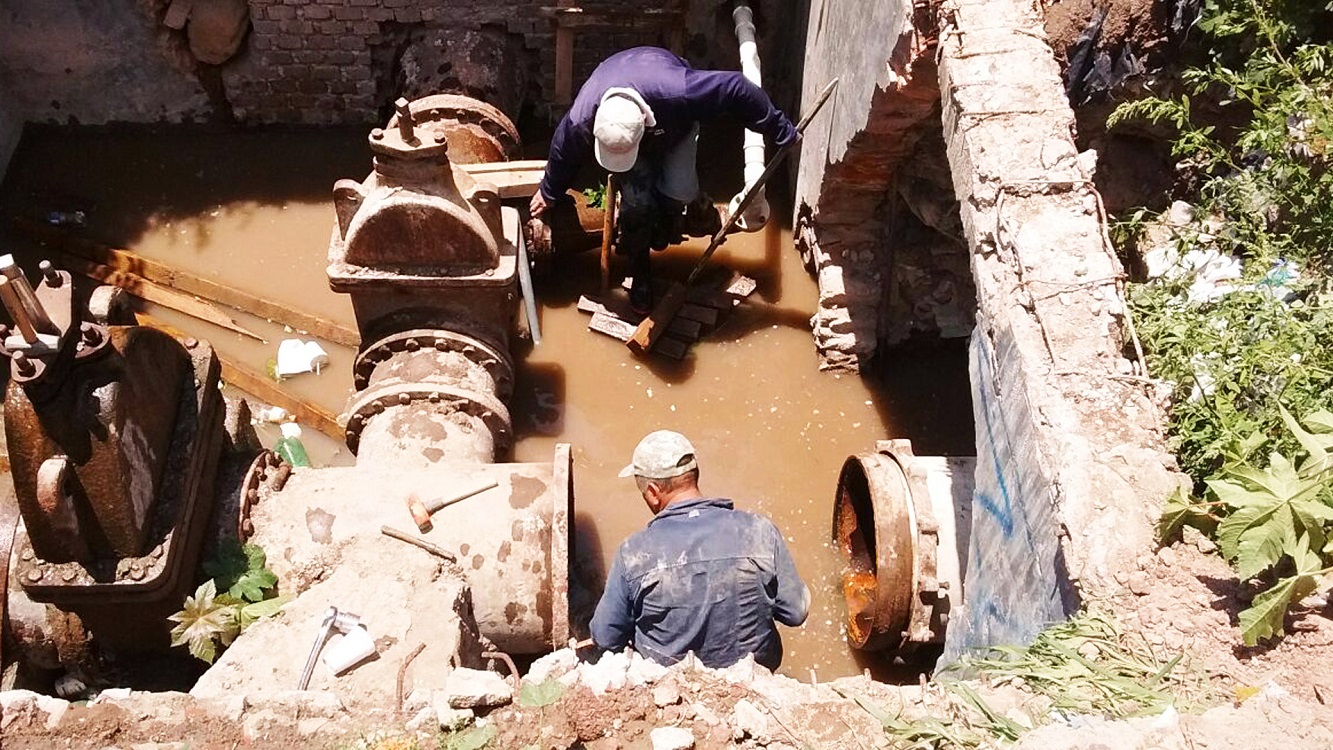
x,y
429,257
900,524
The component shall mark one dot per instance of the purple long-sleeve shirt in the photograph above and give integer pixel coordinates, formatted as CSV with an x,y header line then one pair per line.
x,y
679,97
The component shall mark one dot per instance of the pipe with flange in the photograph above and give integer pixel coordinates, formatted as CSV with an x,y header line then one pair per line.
x,y
900,523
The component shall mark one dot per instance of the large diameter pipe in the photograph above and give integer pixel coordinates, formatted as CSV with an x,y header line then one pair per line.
x,y
756,214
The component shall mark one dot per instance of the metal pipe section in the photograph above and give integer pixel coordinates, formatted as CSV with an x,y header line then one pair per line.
x,y
431,261
757,213
901,523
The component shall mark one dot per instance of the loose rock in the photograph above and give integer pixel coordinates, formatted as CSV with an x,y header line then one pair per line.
x,y
477,688
672,738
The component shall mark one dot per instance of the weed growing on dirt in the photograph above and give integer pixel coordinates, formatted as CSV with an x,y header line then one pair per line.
x,y
210,620
476,738
1274,523
1086,666
1239,350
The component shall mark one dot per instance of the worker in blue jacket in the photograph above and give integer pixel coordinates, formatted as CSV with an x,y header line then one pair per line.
x,y
703,577
638,114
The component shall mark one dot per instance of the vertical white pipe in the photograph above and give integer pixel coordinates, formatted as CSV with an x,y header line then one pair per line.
x,y
756,214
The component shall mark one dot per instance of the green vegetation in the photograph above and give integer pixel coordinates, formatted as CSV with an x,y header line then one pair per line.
x,y
210,620
1255,134
1083,667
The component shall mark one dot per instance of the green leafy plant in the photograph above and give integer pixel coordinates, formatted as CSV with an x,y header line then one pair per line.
x,y
210,621
1273,523
596,196
541,694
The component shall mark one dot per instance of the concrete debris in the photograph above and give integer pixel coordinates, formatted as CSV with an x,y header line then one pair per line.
x,y
749,721
666,694
672,738
477,688
16,704
1139,583
424,720
451,719
615,670
554,664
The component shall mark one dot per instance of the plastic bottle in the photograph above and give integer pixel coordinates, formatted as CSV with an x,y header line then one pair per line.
x,y
289,445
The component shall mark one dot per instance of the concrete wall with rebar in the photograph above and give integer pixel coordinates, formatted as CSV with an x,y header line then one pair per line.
x,y
1070,469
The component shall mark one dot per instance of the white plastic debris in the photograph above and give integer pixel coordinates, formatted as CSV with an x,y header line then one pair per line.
x,y
296,356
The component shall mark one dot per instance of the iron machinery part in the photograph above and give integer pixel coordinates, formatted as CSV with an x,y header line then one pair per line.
x,y
123,599
416,214
568,226
419,424
267,474
375,362
476,132
897,529
89,452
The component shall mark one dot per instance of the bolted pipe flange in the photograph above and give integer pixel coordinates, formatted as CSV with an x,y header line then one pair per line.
x,y
490,410
496,364
476,131
885,529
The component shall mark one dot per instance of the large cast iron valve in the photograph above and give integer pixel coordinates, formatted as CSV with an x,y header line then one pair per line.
x,y
427,254
113,435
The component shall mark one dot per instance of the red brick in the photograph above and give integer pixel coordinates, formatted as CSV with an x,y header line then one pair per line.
x,y
317,13
280,13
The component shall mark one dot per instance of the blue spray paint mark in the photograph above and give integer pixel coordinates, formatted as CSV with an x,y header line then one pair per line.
x,y
1004,510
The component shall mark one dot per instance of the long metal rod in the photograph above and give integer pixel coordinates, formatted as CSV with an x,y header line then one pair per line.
x,y
431,548
525,282
752,191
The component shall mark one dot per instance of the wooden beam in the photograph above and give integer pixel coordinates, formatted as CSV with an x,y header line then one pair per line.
x,y
564,61
155,272
514,179
651,329
147,290
262,387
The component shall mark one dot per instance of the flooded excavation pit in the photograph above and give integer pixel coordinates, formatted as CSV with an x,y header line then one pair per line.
x,y
440,394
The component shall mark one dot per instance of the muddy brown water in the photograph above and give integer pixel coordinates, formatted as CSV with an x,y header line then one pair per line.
x,y
253,210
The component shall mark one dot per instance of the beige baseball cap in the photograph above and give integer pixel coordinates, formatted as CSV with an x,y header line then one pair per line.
x,y
617,131
661,455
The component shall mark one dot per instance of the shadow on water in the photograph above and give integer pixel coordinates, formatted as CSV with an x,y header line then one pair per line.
x,y
174,172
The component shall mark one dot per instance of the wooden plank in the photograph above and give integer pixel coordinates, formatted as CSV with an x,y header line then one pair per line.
x,y
493,167
680,327
683,328
263,387
652,327
155,272
671,348
144,289
564,65
611,326
705,316
513,179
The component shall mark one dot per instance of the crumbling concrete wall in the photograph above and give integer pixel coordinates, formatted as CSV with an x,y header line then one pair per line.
x,y
856,205
1070,467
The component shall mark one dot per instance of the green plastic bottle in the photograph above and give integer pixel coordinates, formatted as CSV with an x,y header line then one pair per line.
x,y
289,445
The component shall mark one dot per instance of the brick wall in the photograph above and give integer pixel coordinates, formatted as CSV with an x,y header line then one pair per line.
x,y
345,61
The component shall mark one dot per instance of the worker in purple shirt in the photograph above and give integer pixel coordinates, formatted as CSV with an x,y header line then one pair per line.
x,y
703,577
638,114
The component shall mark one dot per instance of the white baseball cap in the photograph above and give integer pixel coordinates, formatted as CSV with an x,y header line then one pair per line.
x,y
661,455
617,130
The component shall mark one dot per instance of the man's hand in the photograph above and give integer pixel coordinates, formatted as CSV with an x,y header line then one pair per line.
x,y
538,205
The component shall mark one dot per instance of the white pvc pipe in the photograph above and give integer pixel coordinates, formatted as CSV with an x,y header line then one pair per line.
x,y
756,214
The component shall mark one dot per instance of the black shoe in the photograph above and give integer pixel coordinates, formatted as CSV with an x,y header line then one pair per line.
x,y
702,218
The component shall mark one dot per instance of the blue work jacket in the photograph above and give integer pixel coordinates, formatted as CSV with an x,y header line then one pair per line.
x,y
706,578
679,96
